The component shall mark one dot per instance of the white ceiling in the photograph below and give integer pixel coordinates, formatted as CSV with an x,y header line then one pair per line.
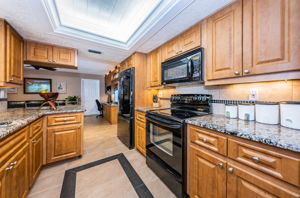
x,y
113,19
32,20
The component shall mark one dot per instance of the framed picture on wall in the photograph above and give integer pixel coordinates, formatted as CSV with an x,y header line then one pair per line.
x,y
61,86
36,85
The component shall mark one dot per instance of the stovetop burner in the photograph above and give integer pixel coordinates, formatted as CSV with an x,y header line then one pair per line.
x,y
185,106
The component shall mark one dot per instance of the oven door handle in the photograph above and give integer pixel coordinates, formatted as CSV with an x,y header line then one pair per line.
x,y
164,124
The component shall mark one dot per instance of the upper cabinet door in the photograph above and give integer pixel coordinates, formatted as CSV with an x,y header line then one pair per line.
x,y
38,52
64,56
171,48
271,36
224,47
190,39
14,56
155,67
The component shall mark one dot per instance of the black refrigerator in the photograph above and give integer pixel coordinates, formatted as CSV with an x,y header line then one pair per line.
x,y
126,107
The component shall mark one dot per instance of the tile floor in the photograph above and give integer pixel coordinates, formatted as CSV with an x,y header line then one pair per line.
x,y
100,141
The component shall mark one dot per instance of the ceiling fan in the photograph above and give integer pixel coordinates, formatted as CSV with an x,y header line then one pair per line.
x,y
40,67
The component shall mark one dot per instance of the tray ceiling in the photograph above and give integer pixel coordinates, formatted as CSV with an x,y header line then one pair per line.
x,y
112,19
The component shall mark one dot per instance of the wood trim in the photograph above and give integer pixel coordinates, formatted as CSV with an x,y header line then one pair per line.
x,y
295,75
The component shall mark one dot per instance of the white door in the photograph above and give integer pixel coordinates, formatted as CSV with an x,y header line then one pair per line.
x,y
90,91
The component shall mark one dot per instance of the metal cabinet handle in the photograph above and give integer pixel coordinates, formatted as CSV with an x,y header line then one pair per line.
x,y
49,60
204,140
13,163
255,159
237,73
9,168
221,165
34,141
230,170
11,78
246,71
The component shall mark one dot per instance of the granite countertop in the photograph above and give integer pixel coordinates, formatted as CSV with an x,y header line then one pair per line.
x,y
145,109
20,117
274,135
110,104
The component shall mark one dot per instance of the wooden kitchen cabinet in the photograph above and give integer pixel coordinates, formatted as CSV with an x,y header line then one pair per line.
x,y
207,174
47,55
155,67
190,39
140,132
272,44
38,52
11,56
36,156
64,56
15,175
110,113
63,142
249,170
224,43
247,183
171,48
186,41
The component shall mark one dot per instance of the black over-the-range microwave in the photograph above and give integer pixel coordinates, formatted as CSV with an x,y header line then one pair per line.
x,y
184,68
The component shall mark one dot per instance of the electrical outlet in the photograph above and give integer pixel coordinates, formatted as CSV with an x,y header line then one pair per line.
x,y
253,94
160,94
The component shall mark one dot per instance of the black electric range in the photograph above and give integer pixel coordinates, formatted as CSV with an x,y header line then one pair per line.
x,y
166,138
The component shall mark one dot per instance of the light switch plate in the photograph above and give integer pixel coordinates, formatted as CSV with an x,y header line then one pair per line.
x,y
253,94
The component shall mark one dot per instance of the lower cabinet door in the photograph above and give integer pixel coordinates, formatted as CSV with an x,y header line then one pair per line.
x,y
207,174
63,142
245,182
21,173
140,139
6,178
36,156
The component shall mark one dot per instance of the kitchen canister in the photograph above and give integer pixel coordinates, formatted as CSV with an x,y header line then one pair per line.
x,y
231,111
267,113
290,114
247,112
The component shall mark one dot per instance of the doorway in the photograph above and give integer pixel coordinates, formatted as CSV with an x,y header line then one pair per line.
x,y
90,91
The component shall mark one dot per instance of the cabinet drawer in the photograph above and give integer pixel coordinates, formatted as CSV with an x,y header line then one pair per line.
x,y
62,119
271,162
11,144
140,116
208,139
36,127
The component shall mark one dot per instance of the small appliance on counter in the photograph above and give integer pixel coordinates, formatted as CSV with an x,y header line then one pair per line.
x,y
231,111
290,114
185,68
267,113
50,98
166,138
247,111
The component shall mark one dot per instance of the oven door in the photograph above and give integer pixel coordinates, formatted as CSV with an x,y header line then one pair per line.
x,y
164,142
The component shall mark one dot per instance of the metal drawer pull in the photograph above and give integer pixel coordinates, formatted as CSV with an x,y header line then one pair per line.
x,y
34,141
203,140
255,159
237,73
221,165
9,168
13,163
230,170
246,71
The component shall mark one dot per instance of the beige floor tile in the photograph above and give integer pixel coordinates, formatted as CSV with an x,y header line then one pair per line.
x,y
100,141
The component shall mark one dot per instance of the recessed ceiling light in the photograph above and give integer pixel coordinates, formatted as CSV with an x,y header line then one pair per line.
x,y
94,51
